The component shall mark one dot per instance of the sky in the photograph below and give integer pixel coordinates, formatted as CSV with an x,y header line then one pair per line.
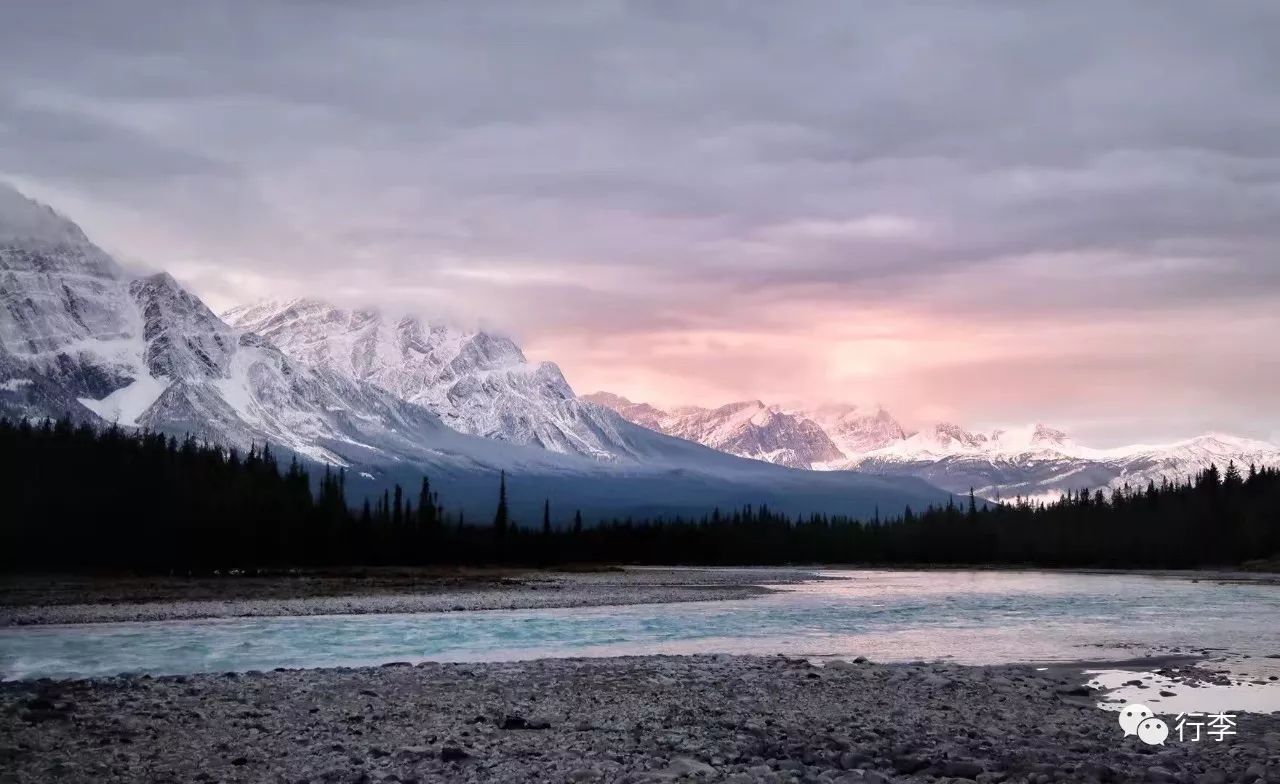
x,y
985,212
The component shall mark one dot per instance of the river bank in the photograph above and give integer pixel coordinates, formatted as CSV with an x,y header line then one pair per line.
x,y
60,599
27,600
632,719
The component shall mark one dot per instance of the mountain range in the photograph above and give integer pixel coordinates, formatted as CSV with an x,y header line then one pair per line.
x,y
386,400
1037,462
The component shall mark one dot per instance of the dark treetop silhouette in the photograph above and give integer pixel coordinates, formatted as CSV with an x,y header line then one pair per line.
x,y
80,498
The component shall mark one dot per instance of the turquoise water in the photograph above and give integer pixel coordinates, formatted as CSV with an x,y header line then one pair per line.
x,y
965,616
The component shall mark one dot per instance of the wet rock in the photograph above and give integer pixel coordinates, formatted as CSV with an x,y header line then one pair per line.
x,y
453,754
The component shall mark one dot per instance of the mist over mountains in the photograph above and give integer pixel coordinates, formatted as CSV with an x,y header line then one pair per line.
x,y
390,399
384,401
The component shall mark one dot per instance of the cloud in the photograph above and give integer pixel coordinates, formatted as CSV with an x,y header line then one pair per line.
x,y
610,180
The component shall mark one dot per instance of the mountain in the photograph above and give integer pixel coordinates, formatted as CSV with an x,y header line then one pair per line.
x,y
1043,472
80,338
476,382
748,429
854,431
1038,462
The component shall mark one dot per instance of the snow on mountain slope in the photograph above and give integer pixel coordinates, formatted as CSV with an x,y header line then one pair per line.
x,y
78,338
1042,463
854,431
476,382
641,414
1037,461
747,429
64,304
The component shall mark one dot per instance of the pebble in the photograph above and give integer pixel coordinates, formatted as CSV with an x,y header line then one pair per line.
x,y
629,719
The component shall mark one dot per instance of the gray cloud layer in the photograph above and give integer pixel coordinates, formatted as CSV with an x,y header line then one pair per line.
x,y
670,198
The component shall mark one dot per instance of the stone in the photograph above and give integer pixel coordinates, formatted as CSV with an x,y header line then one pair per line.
x,y
965,769
850,759
687,766
453,754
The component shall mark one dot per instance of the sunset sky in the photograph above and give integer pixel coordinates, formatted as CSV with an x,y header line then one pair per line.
x,y
988,212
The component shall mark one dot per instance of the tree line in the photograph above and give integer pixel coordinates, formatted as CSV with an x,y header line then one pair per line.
x,y
76,497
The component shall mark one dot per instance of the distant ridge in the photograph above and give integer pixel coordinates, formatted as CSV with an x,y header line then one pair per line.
x,y
1037,461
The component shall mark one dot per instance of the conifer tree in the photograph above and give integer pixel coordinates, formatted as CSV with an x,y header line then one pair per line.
x,y
500,518
426,506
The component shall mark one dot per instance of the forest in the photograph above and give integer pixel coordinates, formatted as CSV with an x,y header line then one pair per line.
x,y
84,499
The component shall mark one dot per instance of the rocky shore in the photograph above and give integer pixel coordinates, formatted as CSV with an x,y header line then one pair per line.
x,y
647,719
38,601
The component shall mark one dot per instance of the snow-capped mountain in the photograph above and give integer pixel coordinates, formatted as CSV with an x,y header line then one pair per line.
x,y
1039,461
1043,472
476,382
79,338
748,429
797,438
65,304
854,431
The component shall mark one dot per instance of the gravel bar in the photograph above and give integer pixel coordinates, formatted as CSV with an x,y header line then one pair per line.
x,y
170,599
636,719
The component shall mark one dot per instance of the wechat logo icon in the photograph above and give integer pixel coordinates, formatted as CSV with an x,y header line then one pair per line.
x,y
1141,721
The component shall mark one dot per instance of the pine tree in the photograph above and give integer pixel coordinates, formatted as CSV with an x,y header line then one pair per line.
x,y
500,518
426,506
1232,478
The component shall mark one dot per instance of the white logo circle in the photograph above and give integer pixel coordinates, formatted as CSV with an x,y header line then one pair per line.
x,y
1153,732
1133,715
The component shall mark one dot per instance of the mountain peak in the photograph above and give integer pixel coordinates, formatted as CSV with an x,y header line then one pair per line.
x,y
60,287
160,280
24,220
476,382
607,399
1048,436
947,433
